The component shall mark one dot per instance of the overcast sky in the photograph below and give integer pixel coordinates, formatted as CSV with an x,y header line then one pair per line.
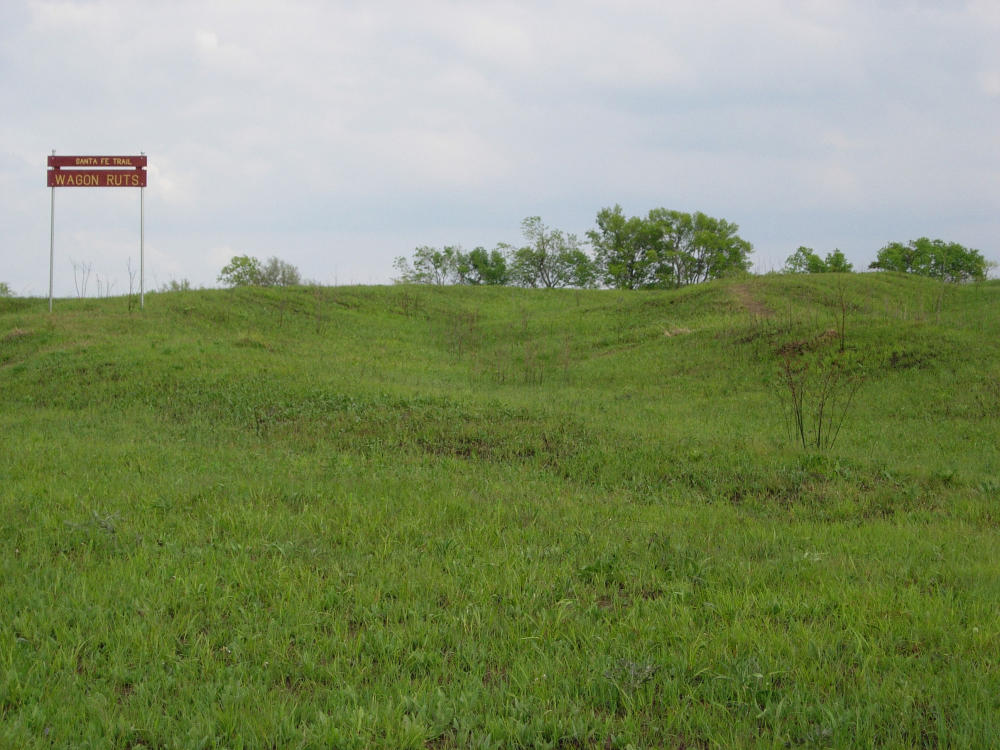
x,y
339,135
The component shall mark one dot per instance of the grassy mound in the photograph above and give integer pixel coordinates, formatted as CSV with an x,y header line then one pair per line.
x,y
752,512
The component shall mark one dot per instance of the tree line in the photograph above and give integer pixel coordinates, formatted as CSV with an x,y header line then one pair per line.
x,y
551,259
948,261
663,249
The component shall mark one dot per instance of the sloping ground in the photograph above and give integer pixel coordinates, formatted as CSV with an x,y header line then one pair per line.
x,y
423,517
750,303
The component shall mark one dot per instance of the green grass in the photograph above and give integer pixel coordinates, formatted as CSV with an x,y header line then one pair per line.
x,y
469,517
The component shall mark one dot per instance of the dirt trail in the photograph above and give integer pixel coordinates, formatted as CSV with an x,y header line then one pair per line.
x,y
745,297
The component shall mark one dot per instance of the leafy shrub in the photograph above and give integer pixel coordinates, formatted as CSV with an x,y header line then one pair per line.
x,y
245,270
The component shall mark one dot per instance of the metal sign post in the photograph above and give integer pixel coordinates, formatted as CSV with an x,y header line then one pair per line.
x,y
142,247
52,239
99,171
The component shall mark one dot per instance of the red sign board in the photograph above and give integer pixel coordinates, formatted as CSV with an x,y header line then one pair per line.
x,y
97,178
98,162
97,171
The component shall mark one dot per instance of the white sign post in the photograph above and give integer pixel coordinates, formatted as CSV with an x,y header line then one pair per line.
x,y
99,171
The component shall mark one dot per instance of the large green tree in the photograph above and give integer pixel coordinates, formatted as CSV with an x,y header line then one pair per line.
x,y
948,261
551,259
625,249
666,249
713,249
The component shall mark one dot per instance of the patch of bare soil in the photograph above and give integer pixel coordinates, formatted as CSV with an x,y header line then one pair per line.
x,y
752,304
16,333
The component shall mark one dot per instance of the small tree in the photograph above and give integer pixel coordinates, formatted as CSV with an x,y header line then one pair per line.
x,y
487,267
242,270
836,262
429,266
279,273
245,270
81,276
552,259
805,260
176,286
5,290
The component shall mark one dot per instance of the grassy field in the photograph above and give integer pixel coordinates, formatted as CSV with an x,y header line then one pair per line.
x,y
426,517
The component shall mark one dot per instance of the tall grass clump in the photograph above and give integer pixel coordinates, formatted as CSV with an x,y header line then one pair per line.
x,y
818,390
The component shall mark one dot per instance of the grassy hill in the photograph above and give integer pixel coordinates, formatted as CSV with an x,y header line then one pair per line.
x,y
477,517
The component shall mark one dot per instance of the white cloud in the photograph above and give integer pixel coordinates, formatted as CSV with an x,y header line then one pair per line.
x,y
989,82
207,41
